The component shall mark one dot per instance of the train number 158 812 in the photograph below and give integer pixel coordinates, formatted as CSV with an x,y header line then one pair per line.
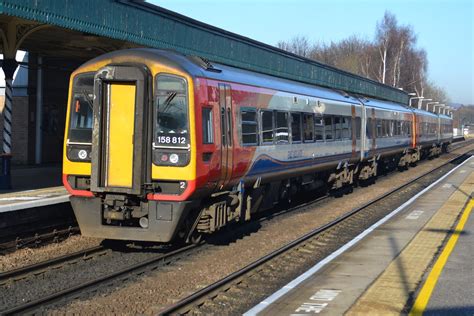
x,y
171,140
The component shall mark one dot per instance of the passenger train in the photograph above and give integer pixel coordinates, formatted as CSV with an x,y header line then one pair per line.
x,y
160,146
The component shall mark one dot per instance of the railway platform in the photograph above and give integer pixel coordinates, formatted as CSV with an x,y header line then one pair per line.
x,y
33,187
37,200
416,260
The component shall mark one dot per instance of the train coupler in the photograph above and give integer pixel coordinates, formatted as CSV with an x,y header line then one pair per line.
x,y
120,214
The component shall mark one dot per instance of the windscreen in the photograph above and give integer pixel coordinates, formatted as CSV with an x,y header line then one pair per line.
x,y
171,115
80,126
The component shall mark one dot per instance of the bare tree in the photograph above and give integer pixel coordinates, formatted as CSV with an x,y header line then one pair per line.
x,y
435,92
392,58
298,45
413,70
385,32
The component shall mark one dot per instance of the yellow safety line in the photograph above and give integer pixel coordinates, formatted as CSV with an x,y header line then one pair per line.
x,y
425,293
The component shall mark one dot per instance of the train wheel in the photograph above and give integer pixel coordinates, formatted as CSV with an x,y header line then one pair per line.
x,y
196,238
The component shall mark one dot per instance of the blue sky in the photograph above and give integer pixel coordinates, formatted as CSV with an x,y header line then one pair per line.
x,y
445,28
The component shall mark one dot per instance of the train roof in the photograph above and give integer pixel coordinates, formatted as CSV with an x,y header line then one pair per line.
x,y
386,105
198,67
444,116
425,113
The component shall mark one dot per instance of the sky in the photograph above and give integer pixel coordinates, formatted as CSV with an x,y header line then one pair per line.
x,y
444,28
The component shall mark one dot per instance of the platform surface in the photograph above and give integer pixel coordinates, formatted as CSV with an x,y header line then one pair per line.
x,y
32,198
33,186
454,290
382,272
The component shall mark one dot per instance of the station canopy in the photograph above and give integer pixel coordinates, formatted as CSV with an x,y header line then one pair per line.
x,y
87,28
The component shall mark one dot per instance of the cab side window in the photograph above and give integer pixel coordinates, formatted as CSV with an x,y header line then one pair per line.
x,y
207,130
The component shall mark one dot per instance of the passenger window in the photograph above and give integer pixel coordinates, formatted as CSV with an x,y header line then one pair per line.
x,y
385,128
328,128
207,131
338,126
281,128
346,127
379,129
398,128
319,128
267,127
358,126
308,128
296,127
369,128
249,126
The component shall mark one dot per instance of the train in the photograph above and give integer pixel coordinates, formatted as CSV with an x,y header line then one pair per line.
x,y
161,146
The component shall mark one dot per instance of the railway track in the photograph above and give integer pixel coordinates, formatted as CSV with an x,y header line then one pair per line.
x,y
58,234
148,264
77,289
244,288
46,265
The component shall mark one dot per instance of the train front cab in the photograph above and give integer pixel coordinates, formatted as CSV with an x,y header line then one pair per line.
x,y
129,162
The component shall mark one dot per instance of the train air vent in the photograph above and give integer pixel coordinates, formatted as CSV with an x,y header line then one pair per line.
x,y
205,63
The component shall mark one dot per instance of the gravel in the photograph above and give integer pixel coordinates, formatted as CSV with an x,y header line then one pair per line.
x,y
27,256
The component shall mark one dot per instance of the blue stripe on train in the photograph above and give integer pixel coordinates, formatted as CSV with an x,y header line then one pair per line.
x,y
266,164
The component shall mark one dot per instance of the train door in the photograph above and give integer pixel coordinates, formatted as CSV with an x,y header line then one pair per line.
x,y
354,130
374,132
119,129
363,132
225,108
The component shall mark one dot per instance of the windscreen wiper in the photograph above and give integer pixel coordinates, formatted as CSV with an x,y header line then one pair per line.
x,y
168,100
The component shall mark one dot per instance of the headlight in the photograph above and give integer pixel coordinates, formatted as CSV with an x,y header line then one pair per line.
x,y
82,154
79,153
174,158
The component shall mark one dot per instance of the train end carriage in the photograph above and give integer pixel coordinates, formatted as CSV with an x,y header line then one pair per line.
x,y
427,133
445,131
